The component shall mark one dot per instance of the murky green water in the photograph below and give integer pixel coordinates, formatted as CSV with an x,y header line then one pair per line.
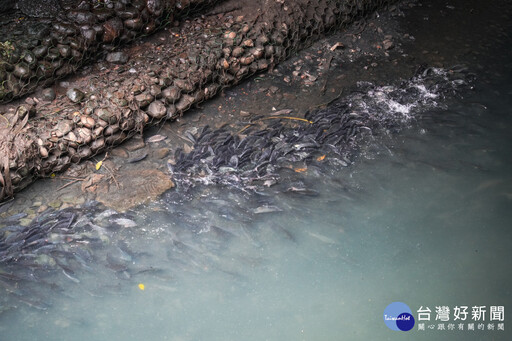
x,y
422,216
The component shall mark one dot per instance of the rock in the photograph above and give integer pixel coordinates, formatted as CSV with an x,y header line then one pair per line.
x,y
74,200
64,50
112,29
63,127
143,99
184,84
21,70
87,121
55,204
43,152
118,57
184,103
161,153
248,43
48,94
40,51
237,52
98,144
105,115
89,34
247,60
135,143
230,35
136,187
75,95
119,152
388,44
156,109
133,24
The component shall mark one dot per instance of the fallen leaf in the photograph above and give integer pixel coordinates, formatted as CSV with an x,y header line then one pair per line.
x,y
98,165
320,158
300,170
156,138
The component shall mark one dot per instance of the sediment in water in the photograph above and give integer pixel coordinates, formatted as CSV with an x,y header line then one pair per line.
x,y
211,52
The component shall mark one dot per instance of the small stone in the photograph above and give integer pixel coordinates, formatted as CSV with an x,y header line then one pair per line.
x,y
161,153
105,115
184,84
63,127
248,43
21,70
48,94
156,109
230,35
72,199
135,143
184,103
64,50
75,95
119,152
43,151
237,52
388,44
143,99
118,57
287,79
55,204
171,94
273,89
87,121
247,60
112,29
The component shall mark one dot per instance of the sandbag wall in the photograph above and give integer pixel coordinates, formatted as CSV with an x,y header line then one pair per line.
x,y
209,54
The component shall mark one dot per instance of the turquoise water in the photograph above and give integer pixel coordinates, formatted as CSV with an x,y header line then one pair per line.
x,y
421,217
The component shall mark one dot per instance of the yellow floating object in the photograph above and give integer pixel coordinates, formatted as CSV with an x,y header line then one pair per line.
x,y
320,158
52,175
141,286
98,165
300,170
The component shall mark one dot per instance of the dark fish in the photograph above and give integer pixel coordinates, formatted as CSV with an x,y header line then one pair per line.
x,y
267,209
281,230
138,158
302,191
70,276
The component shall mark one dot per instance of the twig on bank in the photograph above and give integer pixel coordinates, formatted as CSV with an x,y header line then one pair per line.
x,y
69,184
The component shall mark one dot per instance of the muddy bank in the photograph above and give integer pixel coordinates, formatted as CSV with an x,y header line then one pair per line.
x,y
159,82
